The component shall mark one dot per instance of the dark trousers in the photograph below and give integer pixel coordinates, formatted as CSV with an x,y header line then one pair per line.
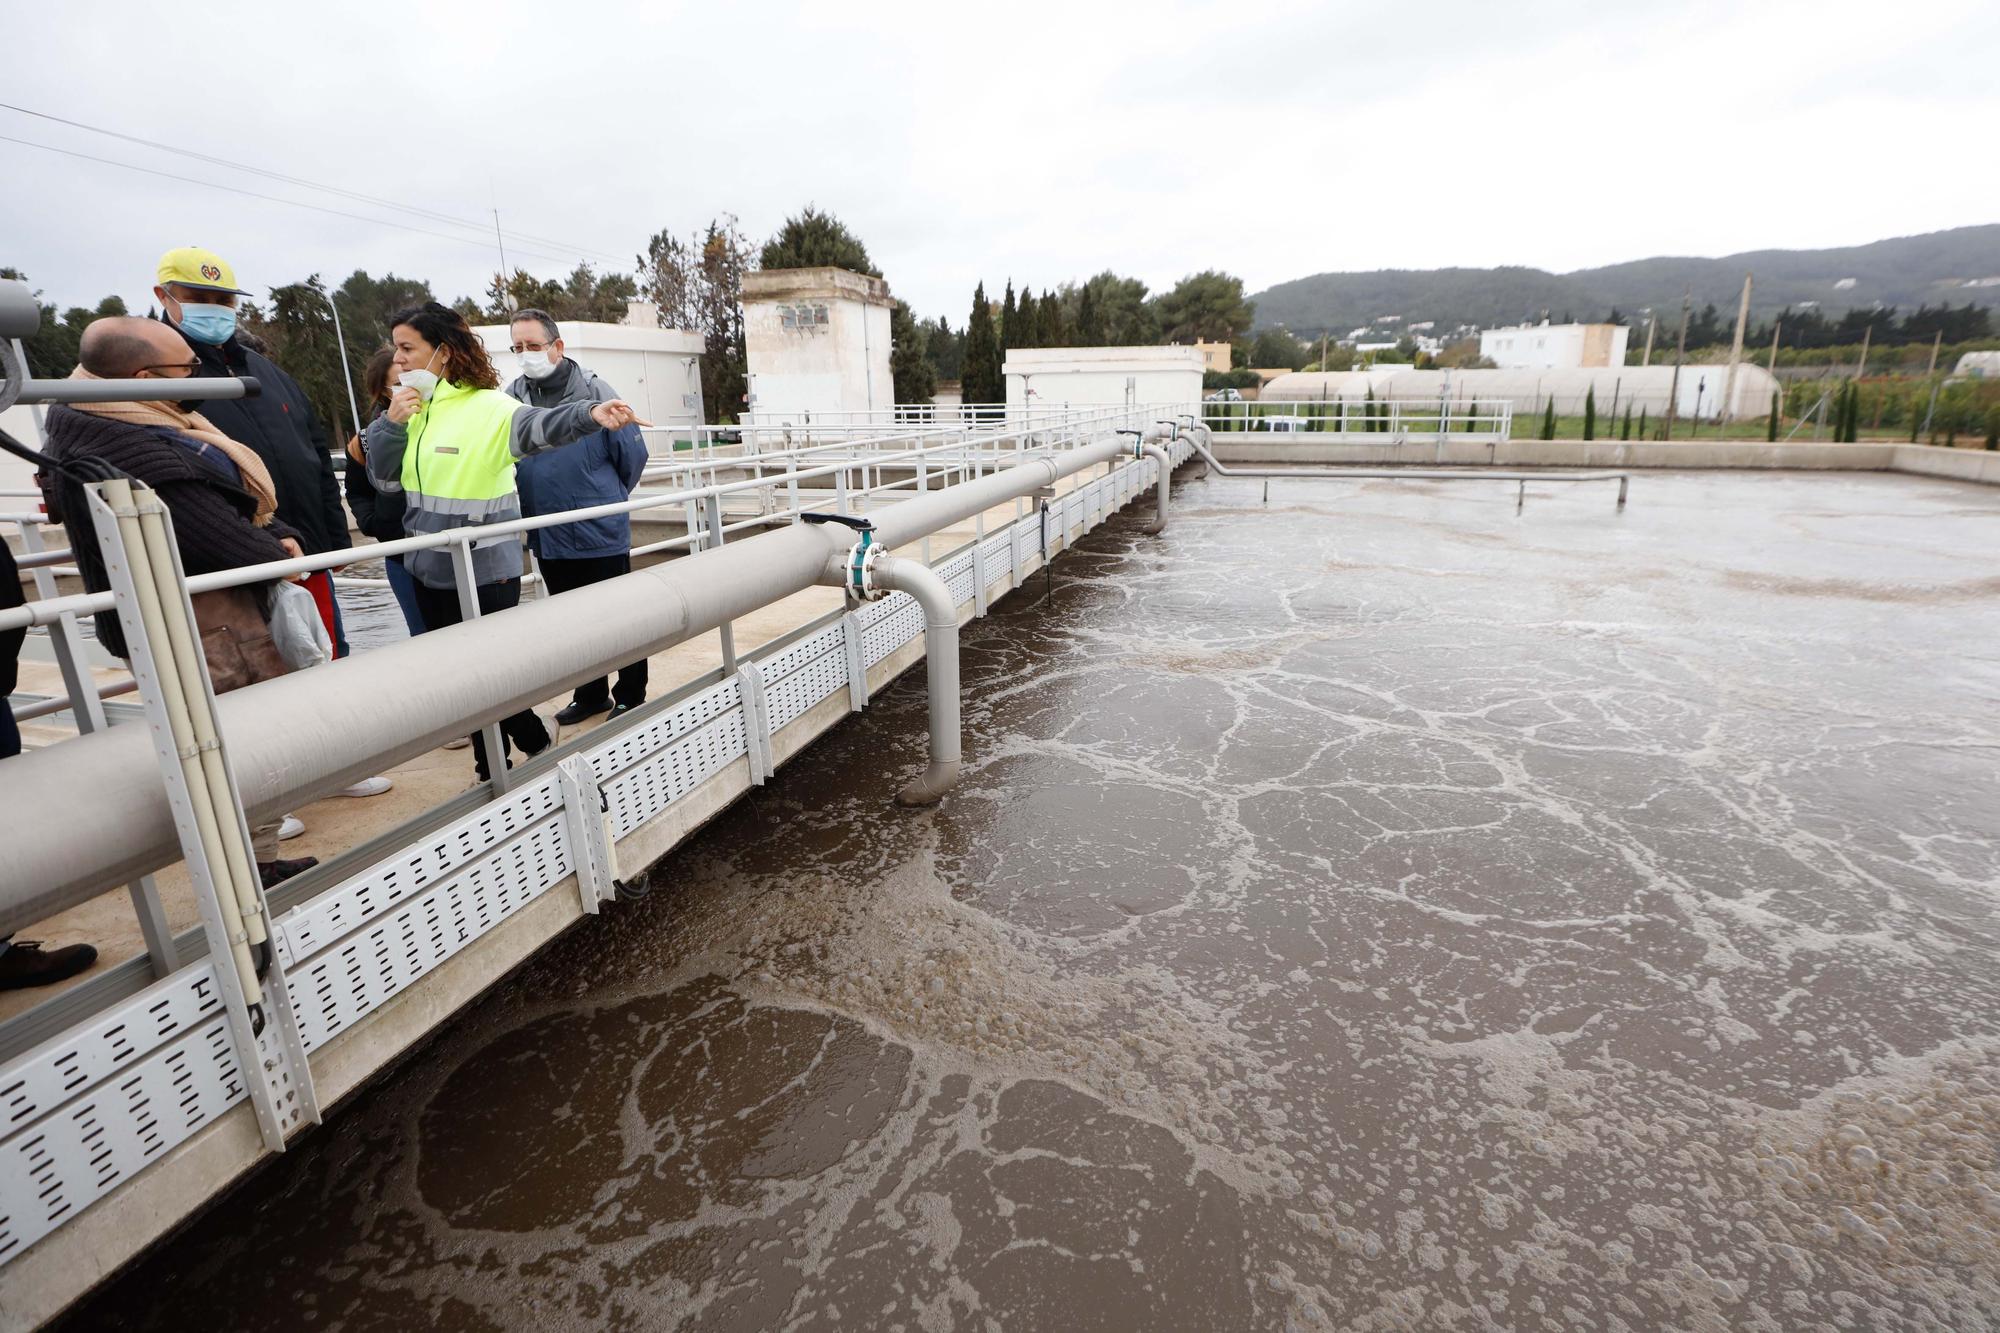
x,y
440,608
561,576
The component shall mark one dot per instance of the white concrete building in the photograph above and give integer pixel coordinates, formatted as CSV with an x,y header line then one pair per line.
x,y
816,340
656,370
1076,376
1547,346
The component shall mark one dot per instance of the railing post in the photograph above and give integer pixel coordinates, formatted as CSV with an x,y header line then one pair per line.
x,y
725,633
468,609
135,533
88,710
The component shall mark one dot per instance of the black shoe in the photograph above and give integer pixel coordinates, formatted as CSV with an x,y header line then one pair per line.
x,y
274,873
24,964
619,710
576,712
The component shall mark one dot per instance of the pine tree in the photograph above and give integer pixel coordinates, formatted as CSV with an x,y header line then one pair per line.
x,y
1590,413
1771,429
1010,326
981,380
1549,420
1626,433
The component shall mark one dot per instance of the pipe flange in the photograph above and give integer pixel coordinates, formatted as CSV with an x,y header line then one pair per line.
x,y
861,558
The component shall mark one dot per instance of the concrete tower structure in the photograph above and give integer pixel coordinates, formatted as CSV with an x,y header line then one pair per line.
x,y
816,340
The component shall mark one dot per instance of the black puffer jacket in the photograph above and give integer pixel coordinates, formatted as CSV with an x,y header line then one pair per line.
x,y
10,639
377,513
281,426
212,514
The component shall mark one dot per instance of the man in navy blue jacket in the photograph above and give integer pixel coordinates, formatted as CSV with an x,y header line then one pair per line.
x,y
599,469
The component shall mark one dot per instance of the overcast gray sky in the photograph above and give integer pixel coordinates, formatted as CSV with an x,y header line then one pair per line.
x,y
1041,142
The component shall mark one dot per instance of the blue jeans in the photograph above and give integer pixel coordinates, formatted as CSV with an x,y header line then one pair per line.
x,y
405,589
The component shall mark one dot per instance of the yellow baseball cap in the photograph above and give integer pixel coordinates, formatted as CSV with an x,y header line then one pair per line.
x,y
192,266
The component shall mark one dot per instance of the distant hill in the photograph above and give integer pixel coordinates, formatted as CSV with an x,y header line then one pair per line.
x,y
1903,272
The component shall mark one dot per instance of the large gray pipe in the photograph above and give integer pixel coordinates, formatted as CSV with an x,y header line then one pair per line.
x,y
1158,523
92,812
940,672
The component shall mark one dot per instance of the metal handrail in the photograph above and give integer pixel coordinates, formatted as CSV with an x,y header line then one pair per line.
x,y
44,611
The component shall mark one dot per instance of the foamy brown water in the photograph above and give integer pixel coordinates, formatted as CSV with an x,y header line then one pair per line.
x,y
1379,911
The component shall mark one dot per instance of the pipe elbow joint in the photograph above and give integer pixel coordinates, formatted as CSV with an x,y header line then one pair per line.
x,y
938,779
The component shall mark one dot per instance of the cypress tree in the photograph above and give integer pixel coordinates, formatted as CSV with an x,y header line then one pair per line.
x,y
1549,420
1771,429
1027,312
1627,432
1368,407
1010,324
1590,413
1993,428
1642,425
1916,419
980,377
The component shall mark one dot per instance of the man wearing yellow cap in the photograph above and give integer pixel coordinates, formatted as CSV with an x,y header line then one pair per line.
x,y
197,292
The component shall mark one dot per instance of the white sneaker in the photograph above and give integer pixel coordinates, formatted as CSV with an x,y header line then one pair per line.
x,y
555,731
368,787
459,743
291,828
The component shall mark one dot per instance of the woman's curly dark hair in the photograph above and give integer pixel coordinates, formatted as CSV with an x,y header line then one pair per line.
x,y
465,359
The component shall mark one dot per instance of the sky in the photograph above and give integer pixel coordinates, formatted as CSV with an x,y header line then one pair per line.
x,y
1037,142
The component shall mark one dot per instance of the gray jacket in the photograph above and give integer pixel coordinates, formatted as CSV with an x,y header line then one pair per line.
x,y
467,441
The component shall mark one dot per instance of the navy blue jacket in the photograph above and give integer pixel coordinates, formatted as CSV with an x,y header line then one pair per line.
x,y
601,468
282,427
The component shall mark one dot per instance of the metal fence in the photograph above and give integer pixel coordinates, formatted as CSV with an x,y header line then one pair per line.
x,y
1368,420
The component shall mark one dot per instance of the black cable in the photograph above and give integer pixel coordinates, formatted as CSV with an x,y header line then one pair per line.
x,y
270,198
414,210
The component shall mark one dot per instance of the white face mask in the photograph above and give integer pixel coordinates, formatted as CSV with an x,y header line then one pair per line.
x,y
536,365
423,381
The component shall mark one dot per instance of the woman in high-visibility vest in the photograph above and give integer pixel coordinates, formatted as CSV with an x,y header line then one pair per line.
x,y
448,442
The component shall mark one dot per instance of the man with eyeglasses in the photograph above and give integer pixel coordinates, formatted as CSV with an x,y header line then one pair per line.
x,y
222,497
599,469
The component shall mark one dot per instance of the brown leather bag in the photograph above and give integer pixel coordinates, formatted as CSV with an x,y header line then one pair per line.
x,y
236,638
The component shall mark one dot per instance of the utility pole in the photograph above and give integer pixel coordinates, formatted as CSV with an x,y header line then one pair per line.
x,y
1680,351
1776,325
1931,374
340,344
1728,406
1652,322
506,297
1867,334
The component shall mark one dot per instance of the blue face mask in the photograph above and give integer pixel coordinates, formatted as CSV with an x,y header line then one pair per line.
x,y
211,324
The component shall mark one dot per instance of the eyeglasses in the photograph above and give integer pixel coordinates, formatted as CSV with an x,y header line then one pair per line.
x,y
519,348
192,368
